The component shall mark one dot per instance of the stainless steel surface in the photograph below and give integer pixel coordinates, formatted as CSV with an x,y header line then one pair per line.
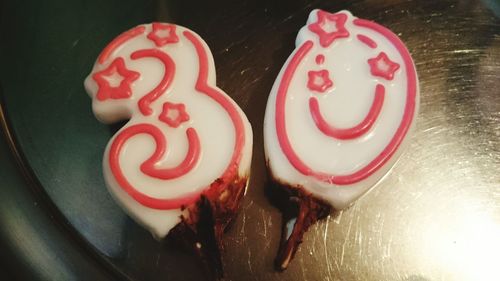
x,y
437,214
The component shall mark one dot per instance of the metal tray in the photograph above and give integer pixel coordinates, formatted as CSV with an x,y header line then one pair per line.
x,y
435,217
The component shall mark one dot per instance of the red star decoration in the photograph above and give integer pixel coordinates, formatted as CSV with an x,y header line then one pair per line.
x,y
382,66
104,77
163,34
178,110
329,27
319,81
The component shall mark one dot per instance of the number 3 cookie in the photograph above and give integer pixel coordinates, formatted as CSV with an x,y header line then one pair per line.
x,y
184,154
337,118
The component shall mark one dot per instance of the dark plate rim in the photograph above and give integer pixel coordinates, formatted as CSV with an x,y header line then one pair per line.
x,y
57,236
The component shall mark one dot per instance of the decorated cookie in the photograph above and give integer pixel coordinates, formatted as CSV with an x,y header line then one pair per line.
x,y
337,118
183,157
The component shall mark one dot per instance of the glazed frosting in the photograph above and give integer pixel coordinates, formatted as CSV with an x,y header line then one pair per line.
x,y
183,133
341,108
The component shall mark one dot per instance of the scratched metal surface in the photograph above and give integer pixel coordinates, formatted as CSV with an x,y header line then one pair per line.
x,y
435,217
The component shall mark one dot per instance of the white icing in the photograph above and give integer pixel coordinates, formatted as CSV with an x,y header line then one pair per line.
x,y
343,105
210,120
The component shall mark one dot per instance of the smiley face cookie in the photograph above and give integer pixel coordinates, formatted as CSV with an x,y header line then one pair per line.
x,y
338,116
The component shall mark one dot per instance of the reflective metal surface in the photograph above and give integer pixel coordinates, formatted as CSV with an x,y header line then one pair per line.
x,y
436,216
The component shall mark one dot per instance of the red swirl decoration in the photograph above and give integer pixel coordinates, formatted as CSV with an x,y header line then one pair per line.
x,y
148,166
193,155
183,168
389,150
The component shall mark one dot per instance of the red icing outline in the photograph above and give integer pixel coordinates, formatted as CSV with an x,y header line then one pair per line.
x,y
202,86
325,77
123,91
376,71
148,168
190,160
162,41
355,131
122,38
389,150
327,38
182,115
367,41
168,76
